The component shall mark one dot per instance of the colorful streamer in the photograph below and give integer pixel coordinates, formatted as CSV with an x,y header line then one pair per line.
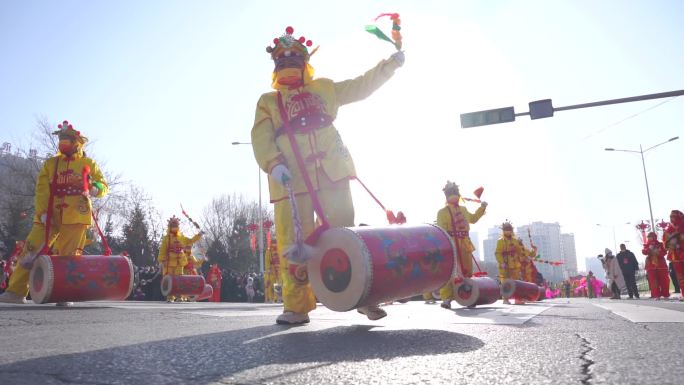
x,y
396,30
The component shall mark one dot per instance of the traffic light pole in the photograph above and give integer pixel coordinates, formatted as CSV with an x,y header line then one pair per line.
x,y
544,109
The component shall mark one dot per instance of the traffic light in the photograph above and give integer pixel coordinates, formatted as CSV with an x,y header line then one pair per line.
x,y
541,109
485,118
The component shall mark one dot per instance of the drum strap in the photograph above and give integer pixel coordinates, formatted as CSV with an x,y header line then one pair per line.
x,y
307,181
458,247
107,250
48,215
302,169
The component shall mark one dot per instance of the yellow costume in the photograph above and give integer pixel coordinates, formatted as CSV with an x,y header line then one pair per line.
x,y
508,253
171,252
310,107
71,210
456,221
528,272
193,264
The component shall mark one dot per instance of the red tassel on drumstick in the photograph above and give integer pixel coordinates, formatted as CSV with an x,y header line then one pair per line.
x,y
478,193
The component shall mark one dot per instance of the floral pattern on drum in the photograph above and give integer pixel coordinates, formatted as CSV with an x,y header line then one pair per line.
x,y
405,258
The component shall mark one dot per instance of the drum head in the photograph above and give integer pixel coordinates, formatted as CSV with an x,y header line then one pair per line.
x,y
466,292
166,285
340,270
41,279
507,288
131,283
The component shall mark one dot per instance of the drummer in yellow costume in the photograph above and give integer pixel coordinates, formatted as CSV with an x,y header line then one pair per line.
x,y
456,220
70,206
172,250
193,263
528,272
508,253
310,107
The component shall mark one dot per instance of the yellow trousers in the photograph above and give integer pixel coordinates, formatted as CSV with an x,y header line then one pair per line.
x,y
64,240
465,260
338,208
510,273
173,270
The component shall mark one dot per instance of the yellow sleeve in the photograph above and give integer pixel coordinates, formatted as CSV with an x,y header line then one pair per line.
x,y
473,218
444,219
353,90
499,252
266,151
163,249
190,241
42,190
97,176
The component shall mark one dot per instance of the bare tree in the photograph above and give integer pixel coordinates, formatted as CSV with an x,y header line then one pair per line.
x,y
225,222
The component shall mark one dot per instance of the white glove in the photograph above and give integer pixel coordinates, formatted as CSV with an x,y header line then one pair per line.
x,y
281,174
43,218
398,57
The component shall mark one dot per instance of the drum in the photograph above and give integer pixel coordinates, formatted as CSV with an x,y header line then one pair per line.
x,y
526,291
176,285
542,293
207,292
81,278
476,291
361,266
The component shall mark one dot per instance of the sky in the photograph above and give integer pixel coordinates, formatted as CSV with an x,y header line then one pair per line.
x,y
163,88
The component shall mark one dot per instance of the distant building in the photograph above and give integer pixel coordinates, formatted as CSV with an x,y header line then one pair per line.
x,y
568,254
489,244
475,238
551,246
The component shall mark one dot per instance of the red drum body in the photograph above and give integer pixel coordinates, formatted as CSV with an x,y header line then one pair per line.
x,y
521,290
81,278
361,266
207,292
476,291
182,285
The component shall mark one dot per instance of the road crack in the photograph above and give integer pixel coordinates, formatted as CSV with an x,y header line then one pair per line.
x,y
587,362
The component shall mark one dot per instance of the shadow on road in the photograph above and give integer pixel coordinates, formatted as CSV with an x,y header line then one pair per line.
x,y
208,358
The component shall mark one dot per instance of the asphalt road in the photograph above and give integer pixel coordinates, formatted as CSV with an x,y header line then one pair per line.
x,y
577,341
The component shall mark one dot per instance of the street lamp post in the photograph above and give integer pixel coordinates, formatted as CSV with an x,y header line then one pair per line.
x,y
260,230
614,237
643,162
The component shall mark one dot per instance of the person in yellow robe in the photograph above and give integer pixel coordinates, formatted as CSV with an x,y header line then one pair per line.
x,y
455,220
528,272
508,253
62,192
309,106
172,250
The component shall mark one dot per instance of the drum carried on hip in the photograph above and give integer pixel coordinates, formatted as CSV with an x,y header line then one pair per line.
x,y
361,266
207,292
190,285
526,291
81,278
476,291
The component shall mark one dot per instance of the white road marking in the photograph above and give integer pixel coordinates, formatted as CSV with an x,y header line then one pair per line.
x,y
641,313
